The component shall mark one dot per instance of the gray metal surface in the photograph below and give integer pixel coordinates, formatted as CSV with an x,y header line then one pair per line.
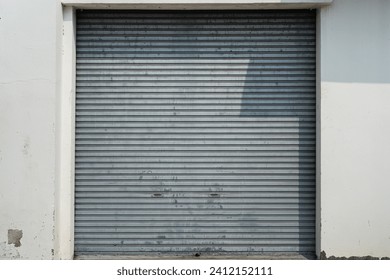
x,y
195,132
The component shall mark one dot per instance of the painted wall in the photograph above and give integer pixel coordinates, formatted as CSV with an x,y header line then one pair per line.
x,y
28,51
355,128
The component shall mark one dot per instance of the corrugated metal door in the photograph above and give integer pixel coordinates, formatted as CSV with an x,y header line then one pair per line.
x,y
195,132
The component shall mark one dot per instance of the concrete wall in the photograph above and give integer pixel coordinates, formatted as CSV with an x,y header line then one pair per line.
x,y
28,51
355,130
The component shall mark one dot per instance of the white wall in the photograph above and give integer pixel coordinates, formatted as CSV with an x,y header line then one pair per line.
x,y
355,128
28,47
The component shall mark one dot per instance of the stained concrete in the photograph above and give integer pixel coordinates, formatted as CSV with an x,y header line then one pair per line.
x,y
324,257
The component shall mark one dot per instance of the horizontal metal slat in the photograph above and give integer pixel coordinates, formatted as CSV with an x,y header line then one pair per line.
x,y
197,207
190,250
296,233
195,200
193,192
174,31
151,19
199,114
164,153
188,129
195,26
185,190
200,119
195,235
211,43
194,166
222,184
194,218
191,123
125,57
156,15
187,148
188,99
196,242
225,60
198,212
190,90
249,79
198,49
194,73
193,67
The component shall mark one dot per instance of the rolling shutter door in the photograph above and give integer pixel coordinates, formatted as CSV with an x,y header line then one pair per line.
x,y
195,132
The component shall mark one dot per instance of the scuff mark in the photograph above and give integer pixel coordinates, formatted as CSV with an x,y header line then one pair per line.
x,y
322,255
14,236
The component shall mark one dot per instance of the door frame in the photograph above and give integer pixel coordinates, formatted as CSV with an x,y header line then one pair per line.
x,y
65,157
